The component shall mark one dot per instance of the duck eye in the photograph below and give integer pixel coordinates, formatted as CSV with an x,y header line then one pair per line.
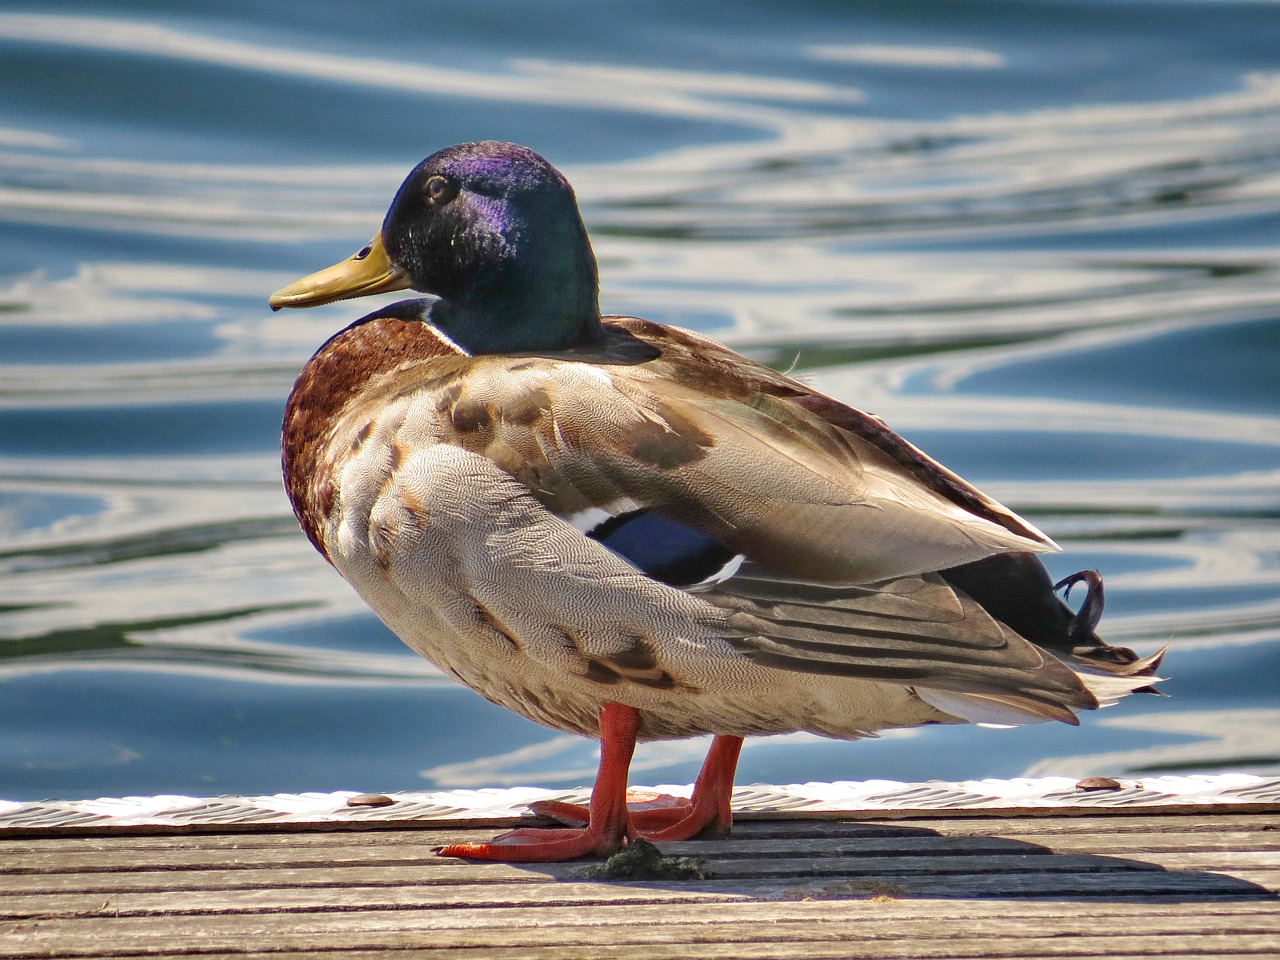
x,y
439,190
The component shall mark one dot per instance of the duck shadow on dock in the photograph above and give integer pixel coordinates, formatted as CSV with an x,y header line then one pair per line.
x,y
1109,858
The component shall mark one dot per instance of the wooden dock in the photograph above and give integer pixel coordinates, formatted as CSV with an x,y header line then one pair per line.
x,y
1181,880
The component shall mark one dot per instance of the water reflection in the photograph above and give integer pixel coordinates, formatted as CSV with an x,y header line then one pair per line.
x,y
1207,741
962,58
1057,279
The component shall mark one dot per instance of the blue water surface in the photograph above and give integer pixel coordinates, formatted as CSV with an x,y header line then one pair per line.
x,y
1038,238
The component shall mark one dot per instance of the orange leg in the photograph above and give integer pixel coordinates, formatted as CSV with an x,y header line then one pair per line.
x,y
664,817
712,792
607,826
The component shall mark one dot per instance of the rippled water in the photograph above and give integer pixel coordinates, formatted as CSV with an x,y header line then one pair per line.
x,y
1040,239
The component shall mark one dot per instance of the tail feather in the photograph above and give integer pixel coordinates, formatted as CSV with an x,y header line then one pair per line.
x,y
1111,682
990,642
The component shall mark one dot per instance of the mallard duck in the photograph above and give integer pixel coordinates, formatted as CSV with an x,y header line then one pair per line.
x,y
628,531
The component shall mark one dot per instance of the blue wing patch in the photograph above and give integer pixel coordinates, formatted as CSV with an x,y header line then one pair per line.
x,y
665,549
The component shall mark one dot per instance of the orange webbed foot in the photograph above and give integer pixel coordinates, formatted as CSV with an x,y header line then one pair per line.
x,y
600,830
616,814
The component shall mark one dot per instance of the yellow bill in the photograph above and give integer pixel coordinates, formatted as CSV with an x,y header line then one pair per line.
x,y
368,271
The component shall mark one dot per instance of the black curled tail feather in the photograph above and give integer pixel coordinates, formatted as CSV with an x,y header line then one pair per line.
x,y
1016,589
1081,627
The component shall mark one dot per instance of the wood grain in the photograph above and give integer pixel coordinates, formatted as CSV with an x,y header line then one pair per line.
x,y
1156,884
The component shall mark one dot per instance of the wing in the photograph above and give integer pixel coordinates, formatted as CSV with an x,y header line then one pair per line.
x,y
760,463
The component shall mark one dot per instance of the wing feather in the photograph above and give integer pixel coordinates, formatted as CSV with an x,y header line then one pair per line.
x,y
917,631
768,478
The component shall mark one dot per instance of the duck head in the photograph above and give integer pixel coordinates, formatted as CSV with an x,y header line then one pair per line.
x,y
492,230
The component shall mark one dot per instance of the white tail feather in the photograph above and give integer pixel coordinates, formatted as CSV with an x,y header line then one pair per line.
x,y
982,710
1110,688
986,711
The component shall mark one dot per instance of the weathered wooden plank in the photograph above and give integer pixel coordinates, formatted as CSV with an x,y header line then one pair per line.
x,y
426,862
357,889
23,856
813,839
100,856
1115,825
840,952
1005,863
78,860
141,881
935,950
257,901
1148,821
1132,915
1053,822
40,895
995,842
900,916
1260,865
764,953
812,937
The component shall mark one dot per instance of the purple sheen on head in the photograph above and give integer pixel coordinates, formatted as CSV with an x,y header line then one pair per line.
x,y
493,211
492,163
